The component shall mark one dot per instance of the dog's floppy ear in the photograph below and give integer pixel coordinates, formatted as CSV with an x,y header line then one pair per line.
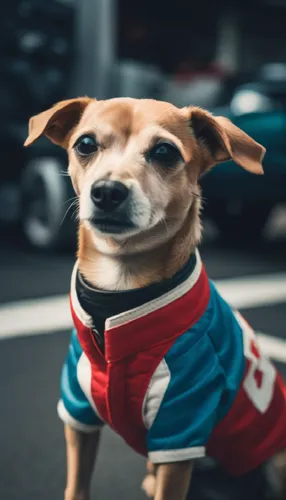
x,y
221,140
57,122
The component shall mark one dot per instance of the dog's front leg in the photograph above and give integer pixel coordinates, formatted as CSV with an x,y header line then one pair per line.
x,y
173,481
81,455
279,462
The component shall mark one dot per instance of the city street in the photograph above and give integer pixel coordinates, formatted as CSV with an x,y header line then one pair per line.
x,y
32,462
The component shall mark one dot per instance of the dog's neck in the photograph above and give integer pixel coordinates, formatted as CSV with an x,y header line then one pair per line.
x,y
136,270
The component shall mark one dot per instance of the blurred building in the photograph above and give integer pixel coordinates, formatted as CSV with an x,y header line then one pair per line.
x,y
137,41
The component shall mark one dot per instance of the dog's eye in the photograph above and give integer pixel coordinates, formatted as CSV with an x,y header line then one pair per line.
x,y
165,153
86,145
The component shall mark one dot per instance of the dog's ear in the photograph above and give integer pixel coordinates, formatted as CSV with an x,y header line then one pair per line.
x,y
57,122
220,140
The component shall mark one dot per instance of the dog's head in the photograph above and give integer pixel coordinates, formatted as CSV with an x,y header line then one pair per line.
x,y
135,164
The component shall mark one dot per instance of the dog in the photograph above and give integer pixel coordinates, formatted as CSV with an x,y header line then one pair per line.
x,y
156,353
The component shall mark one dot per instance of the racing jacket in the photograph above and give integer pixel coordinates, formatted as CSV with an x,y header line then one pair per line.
x,y
181,376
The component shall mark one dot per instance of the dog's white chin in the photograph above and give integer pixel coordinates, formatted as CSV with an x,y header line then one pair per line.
x,y
147,222
102,240
116,236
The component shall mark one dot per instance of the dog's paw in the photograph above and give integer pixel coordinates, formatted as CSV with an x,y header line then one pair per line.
x,y
149,485
278,464
76,496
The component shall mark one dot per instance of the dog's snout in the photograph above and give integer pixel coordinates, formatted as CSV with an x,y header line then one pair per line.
x,y
108,195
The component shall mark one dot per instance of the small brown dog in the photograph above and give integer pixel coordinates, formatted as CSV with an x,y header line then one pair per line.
x,y
157,354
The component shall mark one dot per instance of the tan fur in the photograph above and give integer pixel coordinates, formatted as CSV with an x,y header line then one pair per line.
x,y
125,129
166,207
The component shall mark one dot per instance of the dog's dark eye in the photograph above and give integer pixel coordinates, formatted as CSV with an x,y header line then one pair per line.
x,y
165,153
86,145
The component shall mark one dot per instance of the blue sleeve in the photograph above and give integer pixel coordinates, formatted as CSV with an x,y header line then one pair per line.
x,y
74,408
189,409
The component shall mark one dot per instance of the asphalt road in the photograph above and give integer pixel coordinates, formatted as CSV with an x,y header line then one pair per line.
x,y
32,456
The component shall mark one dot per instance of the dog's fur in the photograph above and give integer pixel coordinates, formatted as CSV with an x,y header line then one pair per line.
x,y
164,208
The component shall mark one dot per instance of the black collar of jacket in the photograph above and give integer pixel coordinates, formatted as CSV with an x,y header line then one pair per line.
x,y
102,304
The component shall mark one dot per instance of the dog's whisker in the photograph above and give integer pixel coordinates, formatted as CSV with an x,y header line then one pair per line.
x,y
195,194
73,204
75,214
73,198
165,225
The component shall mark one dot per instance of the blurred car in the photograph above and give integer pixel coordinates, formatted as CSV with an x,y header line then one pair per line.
x,y
36,46
34,190
239,202
35,193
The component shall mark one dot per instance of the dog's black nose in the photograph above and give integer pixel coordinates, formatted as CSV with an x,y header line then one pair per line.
x,y
108,195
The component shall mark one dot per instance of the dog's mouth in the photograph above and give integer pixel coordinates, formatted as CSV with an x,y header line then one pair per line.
x,y
112,226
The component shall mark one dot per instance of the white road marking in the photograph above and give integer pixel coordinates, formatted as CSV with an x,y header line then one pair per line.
x,y
273,347
254,291
48,315
30,317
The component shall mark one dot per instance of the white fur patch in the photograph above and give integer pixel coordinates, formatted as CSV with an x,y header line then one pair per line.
x,y
110,275
85,204
139,207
